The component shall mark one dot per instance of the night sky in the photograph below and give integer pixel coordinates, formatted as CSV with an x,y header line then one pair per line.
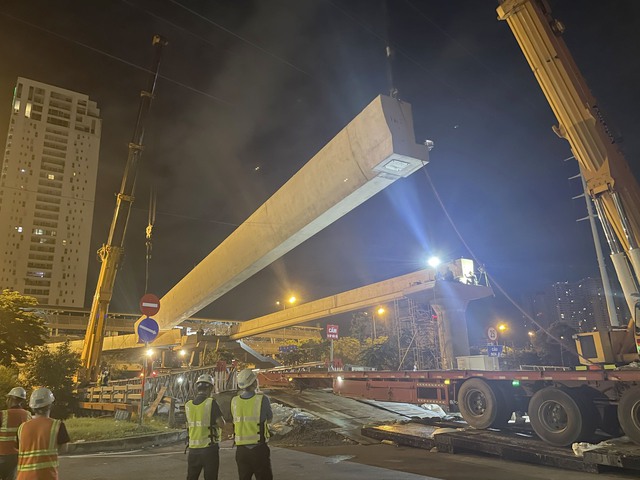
x,y
266,84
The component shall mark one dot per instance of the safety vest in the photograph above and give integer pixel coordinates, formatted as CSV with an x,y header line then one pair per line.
x,y
38,449
11,420
246,420
201,432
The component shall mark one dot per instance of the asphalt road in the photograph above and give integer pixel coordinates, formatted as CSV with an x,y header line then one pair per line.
x,y
349,462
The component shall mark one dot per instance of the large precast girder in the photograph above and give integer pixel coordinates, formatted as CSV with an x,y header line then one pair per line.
x,y
373,151
356,299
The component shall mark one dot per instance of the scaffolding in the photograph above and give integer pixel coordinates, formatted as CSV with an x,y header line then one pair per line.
x,y
417,334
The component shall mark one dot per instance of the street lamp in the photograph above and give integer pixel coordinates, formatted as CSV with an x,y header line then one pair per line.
x,y
434,262
291,301
380,311
503,327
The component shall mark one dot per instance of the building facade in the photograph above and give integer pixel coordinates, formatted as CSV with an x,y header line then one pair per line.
x,y
47,191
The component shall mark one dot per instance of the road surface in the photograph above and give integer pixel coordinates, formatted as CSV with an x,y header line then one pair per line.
x,y
349,462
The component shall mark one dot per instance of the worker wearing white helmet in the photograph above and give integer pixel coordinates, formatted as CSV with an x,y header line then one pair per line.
x,y
205,422
251,413
39,439
10,419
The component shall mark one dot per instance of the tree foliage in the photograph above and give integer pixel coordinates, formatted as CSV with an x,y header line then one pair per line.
x,y
380,354
21,329
347,349
8,380
55,370
553,353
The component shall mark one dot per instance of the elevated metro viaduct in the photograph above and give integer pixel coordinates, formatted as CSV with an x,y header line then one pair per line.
x,y
448,298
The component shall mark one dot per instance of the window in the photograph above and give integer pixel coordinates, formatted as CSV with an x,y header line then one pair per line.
x,y
38,231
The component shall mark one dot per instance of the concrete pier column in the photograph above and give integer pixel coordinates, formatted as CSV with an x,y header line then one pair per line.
x,y
450,301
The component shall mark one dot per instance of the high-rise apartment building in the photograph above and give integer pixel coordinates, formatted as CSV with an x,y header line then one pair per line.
x,y
47,191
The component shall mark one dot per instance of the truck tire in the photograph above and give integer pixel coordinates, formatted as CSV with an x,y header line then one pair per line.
x,y
560,416
483,404
629,413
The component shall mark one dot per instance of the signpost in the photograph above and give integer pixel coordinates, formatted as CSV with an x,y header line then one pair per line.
x,y
147,331
494,350
492,334
149,304
332,334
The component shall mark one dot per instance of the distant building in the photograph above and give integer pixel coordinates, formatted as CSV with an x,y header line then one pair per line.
x,y
47,192
580,304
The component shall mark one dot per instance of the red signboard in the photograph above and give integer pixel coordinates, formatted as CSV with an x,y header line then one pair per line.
x,y
332,332
149,304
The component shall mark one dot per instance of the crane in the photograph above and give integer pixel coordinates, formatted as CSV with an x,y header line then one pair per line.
x,y
609,180
111,253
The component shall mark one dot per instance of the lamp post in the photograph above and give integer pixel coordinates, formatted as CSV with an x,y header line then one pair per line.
x,y
561,350
380,311
291,301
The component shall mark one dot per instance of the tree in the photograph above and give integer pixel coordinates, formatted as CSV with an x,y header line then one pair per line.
x,y
347,349
21,328
8,380
55,370
380,354
361,326
553,353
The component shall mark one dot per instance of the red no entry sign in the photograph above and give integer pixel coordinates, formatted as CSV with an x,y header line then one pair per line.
x,y
149,304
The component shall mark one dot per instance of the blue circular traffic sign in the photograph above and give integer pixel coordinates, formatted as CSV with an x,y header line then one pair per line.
x,y
148,330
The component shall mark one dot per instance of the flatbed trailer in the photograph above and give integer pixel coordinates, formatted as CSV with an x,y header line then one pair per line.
x,y
563,406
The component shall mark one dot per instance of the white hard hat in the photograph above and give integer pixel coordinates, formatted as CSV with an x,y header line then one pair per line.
x,y
18,392
205,378
246,378
41,397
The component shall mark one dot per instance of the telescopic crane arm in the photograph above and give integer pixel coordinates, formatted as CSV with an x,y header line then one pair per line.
x,y
609,180
111,253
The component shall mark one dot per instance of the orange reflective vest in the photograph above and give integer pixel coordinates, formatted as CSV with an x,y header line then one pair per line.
x,y
38,449
11,420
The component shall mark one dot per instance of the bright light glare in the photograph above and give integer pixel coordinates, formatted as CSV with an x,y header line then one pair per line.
x,y
434,262
381,311
531,334
292,299
180,379
502,327
339,378
183,352
150,352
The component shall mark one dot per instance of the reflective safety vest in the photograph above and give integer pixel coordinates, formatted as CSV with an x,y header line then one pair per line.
x,y
201,432
11,420
246,420
38,449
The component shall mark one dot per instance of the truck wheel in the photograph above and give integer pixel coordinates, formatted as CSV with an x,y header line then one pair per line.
x,y
629,413
482,404
561,417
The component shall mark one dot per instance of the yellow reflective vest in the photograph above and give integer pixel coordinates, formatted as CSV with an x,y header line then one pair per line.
x,y
246,420
201,432
38,449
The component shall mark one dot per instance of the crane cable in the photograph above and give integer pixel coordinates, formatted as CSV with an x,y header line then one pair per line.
x,y
148,233
393,91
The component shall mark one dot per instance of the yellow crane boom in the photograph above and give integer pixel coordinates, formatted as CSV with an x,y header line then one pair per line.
x,y
111,253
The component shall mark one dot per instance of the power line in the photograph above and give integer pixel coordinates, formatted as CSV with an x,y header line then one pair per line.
x,y
243,39
114,57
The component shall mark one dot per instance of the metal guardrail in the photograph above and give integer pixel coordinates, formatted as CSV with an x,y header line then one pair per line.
x,y
180,385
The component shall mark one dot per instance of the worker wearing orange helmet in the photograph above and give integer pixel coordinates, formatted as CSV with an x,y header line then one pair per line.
x,y
10,419
39,440
251,413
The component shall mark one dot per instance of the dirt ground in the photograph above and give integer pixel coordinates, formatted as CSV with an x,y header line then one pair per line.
x,y
316,433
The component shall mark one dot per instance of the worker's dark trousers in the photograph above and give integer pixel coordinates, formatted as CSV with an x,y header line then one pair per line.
x,y
203,458
254,461
8,465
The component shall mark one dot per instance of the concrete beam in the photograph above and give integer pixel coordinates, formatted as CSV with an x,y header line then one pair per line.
x,y
357,299
373,151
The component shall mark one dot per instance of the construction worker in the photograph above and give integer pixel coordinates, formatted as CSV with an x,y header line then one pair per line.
x,y
251,414
205,422
39,440
10,419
